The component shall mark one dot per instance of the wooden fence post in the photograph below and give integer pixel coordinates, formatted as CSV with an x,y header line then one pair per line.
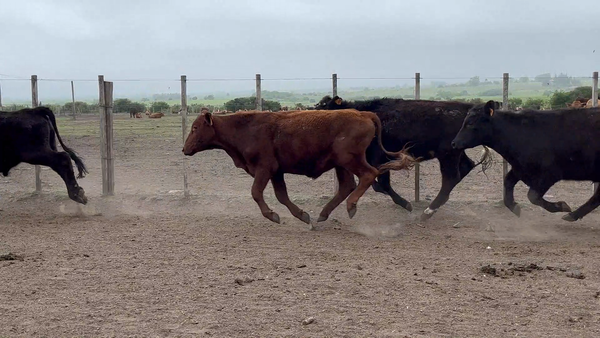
x,y
595,104
186,192
0,96
106,135
34,103
259,106
336,184
504,107
73,98
417,166
334,83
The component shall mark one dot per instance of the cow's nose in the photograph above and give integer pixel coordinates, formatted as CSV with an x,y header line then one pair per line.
x,y
183,150
453,145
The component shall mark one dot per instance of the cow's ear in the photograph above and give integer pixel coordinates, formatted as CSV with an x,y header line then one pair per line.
x,y
489,108
338,100
208,118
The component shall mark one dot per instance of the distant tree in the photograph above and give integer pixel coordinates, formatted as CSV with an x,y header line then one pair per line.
x,y
249,103
194,98
473,82
544,78
562,80
560,99
209,97
159,106
531,103
137,107
524,79
491,92
515,102
121,105
145,99
80,108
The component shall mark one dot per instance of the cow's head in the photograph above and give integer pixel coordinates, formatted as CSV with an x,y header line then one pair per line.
x,y
201,136
477,127
328,102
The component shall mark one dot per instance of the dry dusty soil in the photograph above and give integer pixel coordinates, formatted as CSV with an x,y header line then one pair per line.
x,y
147,262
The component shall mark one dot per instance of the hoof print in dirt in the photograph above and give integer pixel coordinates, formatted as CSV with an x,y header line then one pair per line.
x,y
243,281
11,257
510,270
575,274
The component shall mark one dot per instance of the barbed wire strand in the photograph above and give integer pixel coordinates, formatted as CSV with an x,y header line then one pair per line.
x,y
14,78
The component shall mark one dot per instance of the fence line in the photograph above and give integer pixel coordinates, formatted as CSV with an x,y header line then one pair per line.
x,y
34,103
106,116
105,104
418,165
186,192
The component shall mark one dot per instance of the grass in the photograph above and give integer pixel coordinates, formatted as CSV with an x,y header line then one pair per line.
x,y
166,127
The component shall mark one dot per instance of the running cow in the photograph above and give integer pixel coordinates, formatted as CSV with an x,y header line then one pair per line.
x,y
306,143
542,147
29,135
426,128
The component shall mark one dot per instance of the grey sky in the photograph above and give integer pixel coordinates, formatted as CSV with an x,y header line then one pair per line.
x,y
79,39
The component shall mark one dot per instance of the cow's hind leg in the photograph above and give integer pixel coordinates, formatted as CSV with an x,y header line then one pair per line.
x,y
383,183
282,196
451,176
366,175
536,196
61,163
510,181
585,209
261,179
346,185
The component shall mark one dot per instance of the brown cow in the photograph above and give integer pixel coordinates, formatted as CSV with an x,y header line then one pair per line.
x,y
590,103
138,115
156,115
301,142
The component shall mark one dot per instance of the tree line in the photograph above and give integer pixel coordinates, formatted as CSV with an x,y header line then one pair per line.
x,y
559,99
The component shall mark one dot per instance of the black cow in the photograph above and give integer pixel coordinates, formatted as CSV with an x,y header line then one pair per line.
x,y
543,147
427,128
29,135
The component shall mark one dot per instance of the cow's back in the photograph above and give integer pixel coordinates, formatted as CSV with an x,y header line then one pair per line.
x,y
305,142
562,143
427,125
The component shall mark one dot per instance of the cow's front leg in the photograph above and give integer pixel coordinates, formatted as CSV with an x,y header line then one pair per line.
x,y
261,178
282,196
510,181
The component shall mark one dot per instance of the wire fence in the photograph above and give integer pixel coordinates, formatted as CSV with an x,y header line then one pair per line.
x,y
128,140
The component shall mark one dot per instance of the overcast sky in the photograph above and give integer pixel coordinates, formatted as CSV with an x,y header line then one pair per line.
x,y
150,39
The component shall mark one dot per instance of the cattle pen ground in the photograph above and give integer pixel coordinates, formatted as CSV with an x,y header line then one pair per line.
x,y
148,262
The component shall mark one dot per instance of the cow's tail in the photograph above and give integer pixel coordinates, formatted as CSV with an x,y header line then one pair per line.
x,y
402,160
486,161
78,161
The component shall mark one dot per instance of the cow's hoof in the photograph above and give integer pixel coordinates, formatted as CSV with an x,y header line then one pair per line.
x,y
322,218
563,206
569,218
427,213
273,217
409,207
352,211
516,210
305,218
79,196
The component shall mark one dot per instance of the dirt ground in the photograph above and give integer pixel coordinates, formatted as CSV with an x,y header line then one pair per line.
x,y
147,262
